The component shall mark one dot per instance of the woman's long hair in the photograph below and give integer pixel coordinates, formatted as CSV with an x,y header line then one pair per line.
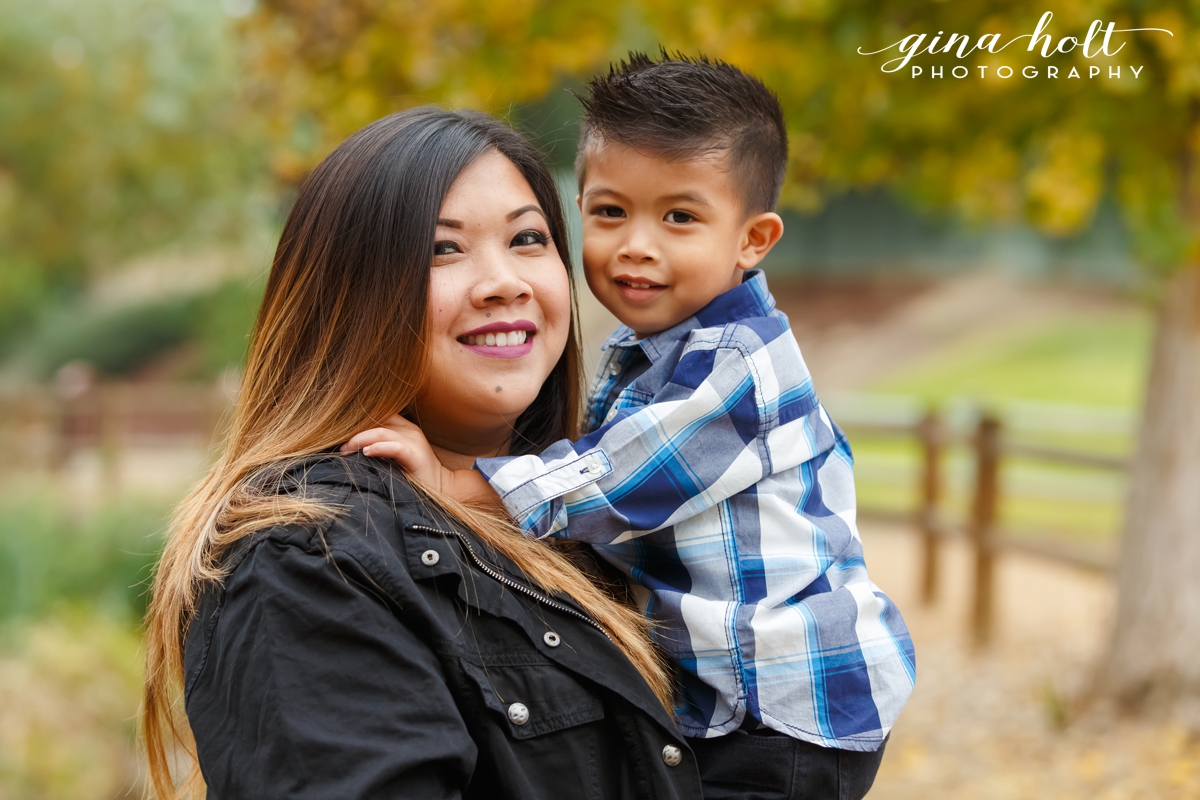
x,y
338,346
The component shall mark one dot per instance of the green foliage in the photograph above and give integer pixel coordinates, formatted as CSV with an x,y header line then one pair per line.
x,y
223,326
70,690
121,129
51,554
986,147
117,341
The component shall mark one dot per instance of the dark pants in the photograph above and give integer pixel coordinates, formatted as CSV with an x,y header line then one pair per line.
x,y
766,765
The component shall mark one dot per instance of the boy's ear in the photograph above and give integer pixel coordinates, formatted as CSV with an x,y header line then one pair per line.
x,y
579,202
759,235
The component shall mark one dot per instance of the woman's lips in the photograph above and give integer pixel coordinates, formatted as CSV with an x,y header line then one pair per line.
x,y
502,327
501,339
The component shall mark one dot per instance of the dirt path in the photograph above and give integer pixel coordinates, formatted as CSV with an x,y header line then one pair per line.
x,y
989,725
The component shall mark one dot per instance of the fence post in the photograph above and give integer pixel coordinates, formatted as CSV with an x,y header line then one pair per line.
x,y
930,432
983,518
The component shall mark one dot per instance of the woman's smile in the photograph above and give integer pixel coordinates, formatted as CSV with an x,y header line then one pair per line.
x,y
501,339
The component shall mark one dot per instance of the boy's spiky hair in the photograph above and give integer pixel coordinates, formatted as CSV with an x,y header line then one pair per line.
x,y
682,107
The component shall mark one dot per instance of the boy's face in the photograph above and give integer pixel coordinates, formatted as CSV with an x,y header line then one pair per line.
x,y
662,238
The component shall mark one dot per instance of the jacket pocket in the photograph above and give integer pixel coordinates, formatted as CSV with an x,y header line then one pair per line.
x,y
533,699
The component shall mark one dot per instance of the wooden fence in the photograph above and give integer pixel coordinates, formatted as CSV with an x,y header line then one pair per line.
x,y
44,427
82,413
989,448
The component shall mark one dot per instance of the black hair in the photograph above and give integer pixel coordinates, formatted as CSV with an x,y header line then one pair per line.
x,y
682,108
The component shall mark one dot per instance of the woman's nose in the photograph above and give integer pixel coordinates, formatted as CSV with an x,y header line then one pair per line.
x,y
500,281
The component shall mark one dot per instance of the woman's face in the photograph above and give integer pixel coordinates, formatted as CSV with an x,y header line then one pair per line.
x,y
499,310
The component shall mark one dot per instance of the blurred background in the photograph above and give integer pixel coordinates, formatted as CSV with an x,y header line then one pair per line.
x,y
975,269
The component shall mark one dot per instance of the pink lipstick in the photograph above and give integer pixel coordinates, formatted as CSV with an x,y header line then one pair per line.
x,y
501,339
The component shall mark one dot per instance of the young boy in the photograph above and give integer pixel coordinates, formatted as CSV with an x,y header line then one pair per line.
x,y
711,475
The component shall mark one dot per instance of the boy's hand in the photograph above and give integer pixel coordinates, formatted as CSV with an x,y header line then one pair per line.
x,y
405,443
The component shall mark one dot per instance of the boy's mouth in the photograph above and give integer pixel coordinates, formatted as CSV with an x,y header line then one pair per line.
x,y
637,289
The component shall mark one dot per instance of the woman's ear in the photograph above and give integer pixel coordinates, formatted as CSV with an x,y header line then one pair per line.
x,y
759,234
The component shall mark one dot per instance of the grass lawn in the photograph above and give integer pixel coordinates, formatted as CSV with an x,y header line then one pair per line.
x,y
1098,359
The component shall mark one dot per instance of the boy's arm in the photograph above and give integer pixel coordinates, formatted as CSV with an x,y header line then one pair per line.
x,y
702,440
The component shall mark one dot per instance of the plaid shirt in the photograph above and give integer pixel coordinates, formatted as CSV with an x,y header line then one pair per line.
x,y
717,482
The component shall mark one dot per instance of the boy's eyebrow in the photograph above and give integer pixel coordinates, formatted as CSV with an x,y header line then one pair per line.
x,y
602,190
691,198
687,196
510,216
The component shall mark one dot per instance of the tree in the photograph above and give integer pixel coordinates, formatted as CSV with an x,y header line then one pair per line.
x,y
986,146
121,130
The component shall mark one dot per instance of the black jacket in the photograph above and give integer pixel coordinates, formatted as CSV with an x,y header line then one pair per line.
x,y
392,654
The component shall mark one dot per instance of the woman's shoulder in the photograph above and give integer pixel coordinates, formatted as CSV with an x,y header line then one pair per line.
x,y
351,474
294,565
366,506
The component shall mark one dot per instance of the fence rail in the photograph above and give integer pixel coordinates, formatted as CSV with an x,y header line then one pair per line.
x,y
987,540
82,413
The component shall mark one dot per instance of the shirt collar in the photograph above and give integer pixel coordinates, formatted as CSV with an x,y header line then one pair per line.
x,y
750,298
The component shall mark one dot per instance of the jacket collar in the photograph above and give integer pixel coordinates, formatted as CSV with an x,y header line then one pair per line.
x,y
750,298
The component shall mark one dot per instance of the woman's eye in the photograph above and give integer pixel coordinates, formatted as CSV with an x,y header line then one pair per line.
x,y
529,238
610,211
679,217
445,248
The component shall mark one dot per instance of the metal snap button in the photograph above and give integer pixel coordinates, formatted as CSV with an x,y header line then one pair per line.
x,y
614,368
551,638
518,714
672,755
430,557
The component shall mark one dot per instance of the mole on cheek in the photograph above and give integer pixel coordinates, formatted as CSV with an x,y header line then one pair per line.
x,y
499,389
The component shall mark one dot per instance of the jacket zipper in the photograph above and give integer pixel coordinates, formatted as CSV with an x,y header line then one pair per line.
x,y
504,580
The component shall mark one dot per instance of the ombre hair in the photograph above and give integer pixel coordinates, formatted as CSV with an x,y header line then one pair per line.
x,y
339,346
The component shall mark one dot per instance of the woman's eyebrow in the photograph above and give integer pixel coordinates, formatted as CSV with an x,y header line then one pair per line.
x,y
525,210
450,223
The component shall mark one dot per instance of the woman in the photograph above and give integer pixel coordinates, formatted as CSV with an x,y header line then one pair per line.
x,y
339,632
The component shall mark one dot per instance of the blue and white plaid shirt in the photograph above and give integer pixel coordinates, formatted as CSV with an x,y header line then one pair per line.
x,y
717,482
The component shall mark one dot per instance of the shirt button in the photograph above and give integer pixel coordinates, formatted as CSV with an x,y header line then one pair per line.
x,y
551,638
612,413
614,368
518,714
430,557
594,466
672,755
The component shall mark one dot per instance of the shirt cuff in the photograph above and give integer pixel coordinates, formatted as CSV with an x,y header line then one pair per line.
x,y
525,483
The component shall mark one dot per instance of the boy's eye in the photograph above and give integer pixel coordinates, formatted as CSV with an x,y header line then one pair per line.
x,y
445,248
679,217
529,238
610,211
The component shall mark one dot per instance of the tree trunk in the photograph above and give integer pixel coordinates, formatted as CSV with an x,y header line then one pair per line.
x,y
1155,652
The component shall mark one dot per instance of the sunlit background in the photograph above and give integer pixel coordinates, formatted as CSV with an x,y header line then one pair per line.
x,y
961,256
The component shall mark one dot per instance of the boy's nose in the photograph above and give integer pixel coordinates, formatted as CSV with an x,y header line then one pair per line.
x,y
638,248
